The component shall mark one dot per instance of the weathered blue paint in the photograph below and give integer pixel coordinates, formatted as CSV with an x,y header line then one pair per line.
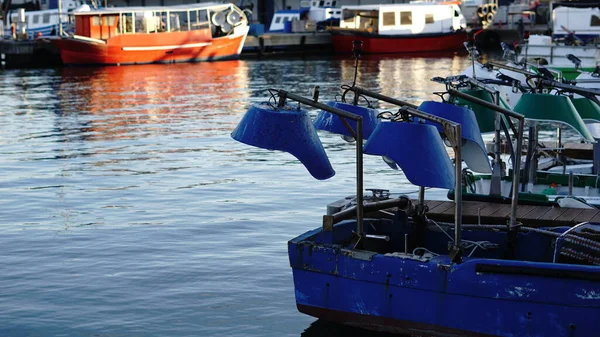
x,y
405,293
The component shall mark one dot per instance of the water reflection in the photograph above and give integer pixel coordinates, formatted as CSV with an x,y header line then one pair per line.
x,y
407,78
138,101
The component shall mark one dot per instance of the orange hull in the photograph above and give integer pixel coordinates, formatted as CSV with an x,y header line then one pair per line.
x,y
190,46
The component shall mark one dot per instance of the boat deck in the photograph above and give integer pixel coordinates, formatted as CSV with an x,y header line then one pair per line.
x,y
495,213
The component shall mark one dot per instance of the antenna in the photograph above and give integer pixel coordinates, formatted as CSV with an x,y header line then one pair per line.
x,y
357,50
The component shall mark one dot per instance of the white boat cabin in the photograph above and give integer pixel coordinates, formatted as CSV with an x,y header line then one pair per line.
x,y
583,22
314,10
403,19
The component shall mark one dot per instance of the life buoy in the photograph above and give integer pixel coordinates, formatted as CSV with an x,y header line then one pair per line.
x,y
234,17
490,18
493,9
484,9
218,19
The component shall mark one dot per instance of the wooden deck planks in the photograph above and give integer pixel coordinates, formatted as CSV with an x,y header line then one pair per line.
x,y
528,215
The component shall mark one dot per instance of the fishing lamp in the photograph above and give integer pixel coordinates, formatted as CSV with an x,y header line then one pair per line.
x,y
417,149
285,129
553,109
473,149
588,110
327,121
290,130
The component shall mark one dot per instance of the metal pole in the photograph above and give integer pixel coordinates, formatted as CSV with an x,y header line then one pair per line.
x,y
60,27
496,182
458,190
516,175
359,177
359,146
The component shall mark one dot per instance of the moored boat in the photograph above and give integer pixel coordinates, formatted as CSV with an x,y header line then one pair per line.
x,y
385,262
401,28
136,35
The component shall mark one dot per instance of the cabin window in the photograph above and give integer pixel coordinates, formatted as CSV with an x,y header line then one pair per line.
x,y
321,3
175,20
96,21
314,3
199,19
126,23
36,19
286,19
428,18
406,18
109,20
595,21
46,18
278,19
333,3
389,18
139,23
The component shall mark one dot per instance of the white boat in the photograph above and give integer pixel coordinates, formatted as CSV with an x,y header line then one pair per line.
x,y
39,23
401,28
553,54
317,13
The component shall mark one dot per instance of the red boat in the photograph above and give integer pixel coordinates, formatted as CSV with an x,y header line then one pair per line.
x,y
135,35
401,28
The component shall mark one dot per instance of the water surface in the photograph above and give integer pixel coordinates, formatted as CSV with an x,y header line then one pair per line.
x,y
127,209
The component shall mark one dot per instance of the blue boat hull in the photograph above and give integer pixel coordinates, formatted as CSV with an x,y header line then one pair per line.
x,y
479,297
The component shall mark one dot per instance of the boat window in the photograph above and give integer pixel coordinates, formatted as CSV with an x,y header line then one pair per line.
x,y
36,18
456,13
389,18
278,19
109,20
286,19
175,20
406,18
314,3
595,21
139,22
428,18
199,19
46,18
96,21
126,23
333,3
321,3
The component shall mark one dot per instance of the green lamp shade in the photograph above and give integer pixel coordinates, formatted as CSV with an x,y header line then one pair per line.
x,y
552,109
588,110
485,117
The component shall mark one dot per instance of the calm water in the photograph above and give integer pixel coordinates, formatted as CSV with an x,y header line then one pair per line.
x,y
127,209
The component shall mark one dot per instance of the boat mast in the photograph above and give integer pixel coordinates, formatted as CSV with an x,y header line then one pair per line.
x,y
60,27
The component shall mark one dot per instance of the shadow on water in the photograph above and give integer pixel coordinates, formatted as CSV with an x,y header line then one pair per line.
x,y
321,328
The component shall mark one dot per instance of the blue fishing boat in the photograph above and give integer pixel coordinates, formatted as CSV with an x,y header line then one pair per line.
x,y
443,268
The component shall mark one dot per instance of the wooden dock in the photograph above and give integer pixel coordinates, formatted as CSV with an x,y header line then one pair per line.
x,y
28,53
495,213
270,44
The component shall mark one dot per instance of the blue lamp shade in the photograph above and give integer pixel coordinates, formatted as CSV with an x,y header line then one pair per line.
x,y
288,130
417,149
473,149
329,122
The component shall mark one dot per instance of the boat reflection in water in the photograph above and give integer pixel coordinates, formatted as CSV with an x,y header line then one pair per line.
x,y
135,101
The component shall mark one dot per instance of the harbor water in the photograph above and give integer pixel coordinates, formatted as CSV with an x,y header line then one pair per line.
x,y
128,210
